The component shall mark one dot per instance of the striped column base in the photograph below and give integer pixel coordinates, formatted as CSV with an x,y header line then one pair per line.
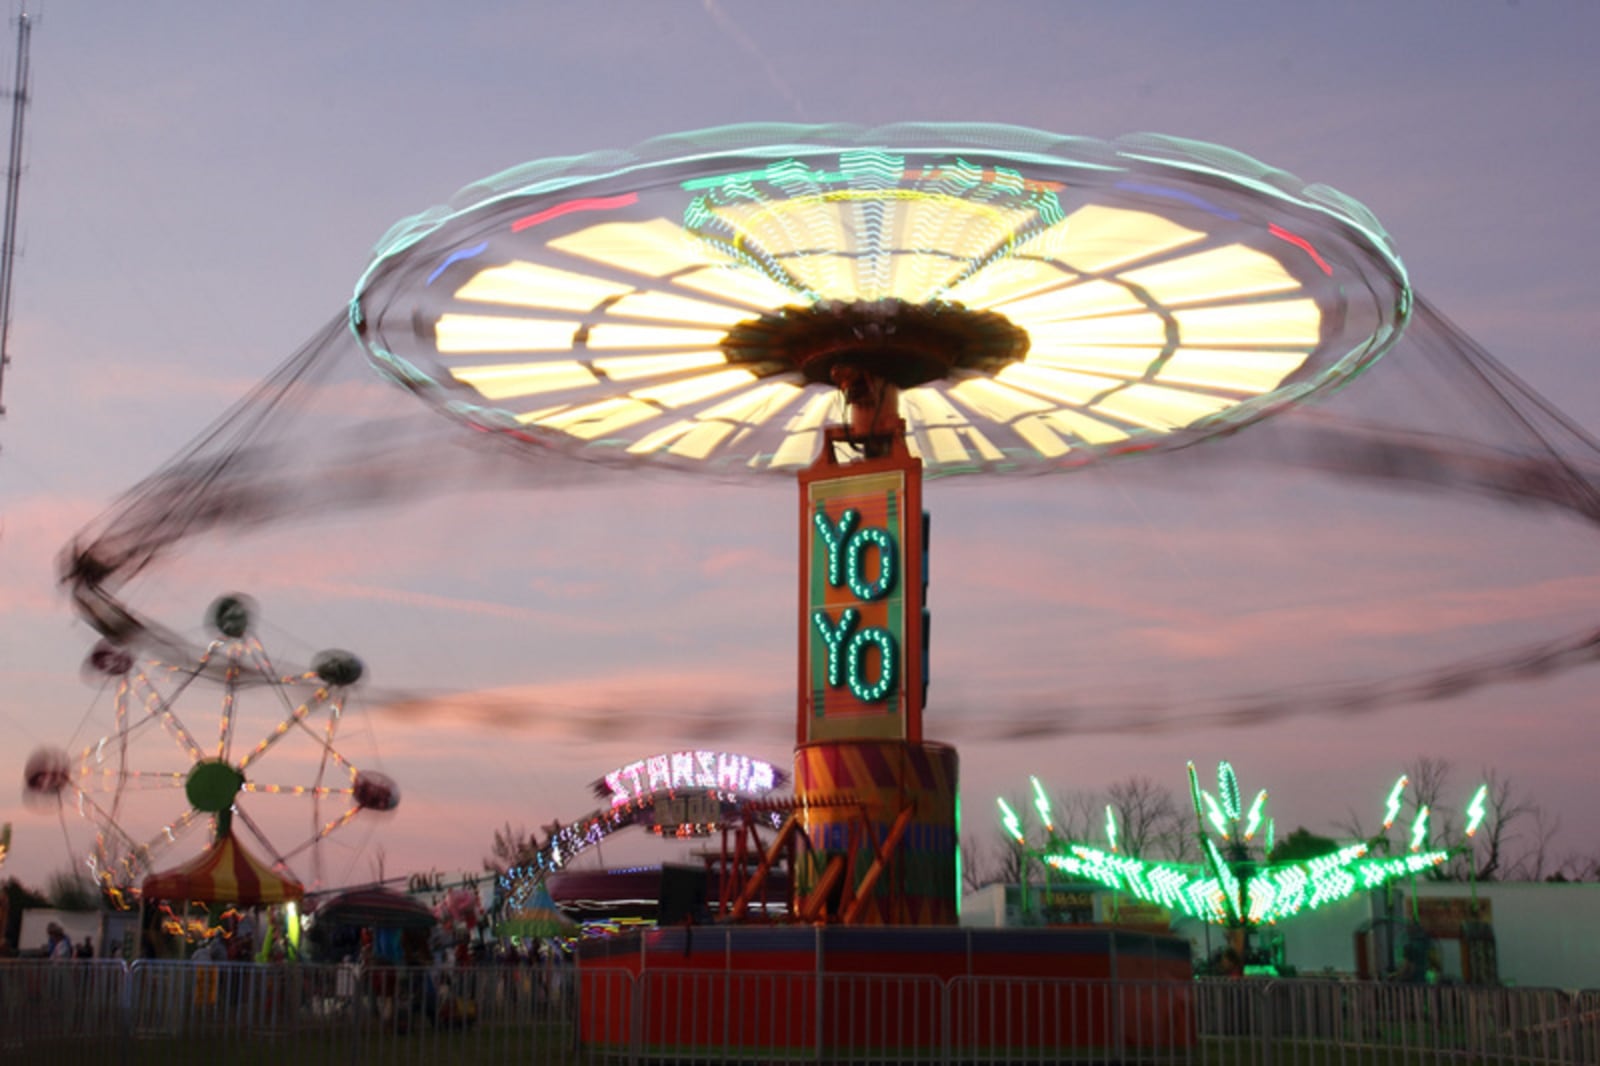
x,y
836,779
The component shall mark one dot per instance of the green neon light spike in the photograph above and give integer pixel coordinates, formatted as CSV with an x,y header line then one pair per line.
x,y
1272,835
1009,819
1214,813
1477,809
1252,822
1391,808
1041,803
1228,789
1227,881
1111,826
1419,829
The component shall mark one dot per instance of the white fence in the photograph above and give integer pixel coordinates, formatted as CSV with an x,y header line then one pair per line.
x,y
304,1015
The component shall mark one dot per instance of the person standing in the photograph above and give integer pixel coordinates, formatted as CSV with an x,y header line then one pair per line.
x,y
57,947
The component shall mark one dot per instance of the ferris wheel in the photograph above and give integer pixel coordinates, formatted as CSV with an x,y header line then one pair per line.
x,y
226,742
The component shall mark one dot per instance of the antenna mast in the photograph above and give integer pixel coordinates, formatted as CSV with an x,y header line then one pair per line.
x,y
8,238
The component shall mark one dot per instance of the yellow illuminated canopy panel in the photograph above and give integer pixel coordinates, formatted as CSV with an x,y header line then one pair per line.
x,y
677,309
1122,362
1091,299
634,367
653,248
1009,279
524,379
1159,408
1218,274
621,336
1098,239
745,287
1251,372
1066,387
493,333
690,390
533,286
1281,322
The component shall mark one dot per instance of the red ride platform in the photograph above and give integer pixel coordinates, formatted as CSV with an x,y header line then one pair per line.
x,y
834,991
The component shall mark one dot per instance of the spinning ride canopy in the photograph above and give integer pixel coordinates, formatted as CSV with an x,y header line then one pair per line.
x,y
1022,301
1034,300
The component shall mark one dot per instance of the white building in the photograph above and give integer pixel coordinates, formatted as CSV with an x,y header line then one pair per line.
x,y
1544,935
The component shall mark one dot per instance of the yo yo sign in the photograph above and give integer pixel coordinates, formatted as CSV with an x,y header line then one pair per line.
x,y
861,603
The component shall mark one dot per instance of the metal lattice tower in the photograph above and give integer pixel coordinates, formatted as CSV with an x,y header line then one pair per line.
x,y
8,238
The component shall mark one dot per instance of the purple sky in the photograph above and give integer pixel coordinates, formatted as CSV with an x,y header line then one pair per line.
x,y
204,184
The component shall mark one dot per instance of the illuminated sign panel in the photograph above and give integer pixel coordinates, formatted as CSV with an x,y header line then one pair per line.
x,y
711,770
861,602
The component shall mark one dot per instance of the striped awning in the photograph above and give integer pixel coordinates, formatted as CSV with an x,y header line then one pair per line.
x,y
224,873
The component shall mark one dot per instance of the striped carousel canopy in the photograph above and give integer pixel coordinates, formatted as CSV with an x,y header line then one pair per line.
x,y
224,873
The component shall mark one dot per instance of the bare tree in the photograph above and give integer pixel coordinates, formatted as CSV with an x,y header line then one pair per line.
x,y
1428,777
1078,815
1351,826
511,848
987,859
1490,854
995,860
1495,836
1581,868
1149,820
1533,864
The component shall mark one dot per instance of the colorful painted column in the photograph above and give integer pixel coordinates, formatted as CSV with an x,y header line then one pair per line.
x,y
862,768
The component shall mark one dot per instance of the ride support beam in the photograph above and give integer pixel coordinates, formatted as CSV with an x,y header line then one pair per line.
x,y
884,855
758,877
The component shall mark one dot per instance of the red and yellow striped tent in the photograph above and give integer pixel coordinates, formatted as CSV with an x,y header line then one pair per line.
x,y
224,873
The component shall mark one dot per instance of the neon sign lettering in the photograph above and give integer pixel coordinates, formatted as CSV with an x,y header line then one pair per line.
x,y
848,550
712,770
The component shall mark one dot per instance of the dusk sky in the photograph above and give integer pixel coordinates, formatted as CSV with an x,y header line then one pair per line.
x,y
204,184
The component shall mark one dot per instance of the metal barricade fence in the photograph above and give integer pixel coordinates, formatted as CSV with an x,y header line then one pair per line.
x,y
49,1010
309,1015
1042,1020
1311,1023
179,1013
